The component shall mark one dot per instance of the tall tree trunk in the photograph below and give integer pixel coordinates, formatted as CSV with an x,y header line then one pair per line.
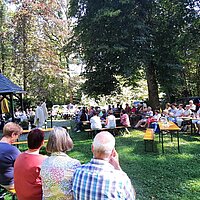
x,y
2,57
152,86
198,80
24,35
2,39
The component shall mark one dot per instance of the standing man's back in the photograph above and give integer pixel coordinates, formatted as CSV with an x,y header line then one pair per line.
x,y
102,178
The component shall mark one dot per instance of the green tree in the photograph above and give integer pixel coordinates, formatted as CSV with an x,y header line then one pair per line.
x,y
121,37
2,39
175,23
39,32
5,38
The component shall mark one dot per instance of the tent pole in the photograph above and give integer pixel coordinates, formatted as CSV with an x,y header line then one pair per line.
x,y
12,107
21,102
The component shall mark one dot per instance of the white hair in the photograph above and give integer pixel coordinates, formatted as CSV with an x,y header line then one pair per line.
x,y
104,143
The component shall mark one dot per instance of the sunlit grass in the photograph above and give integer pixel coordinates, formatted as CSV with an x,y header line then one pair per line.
x,y
153,174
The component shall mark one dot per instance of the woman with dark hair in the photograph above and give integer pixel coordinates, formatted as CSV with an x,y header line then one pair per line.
x,y
95,121
27,167
83,117
58,169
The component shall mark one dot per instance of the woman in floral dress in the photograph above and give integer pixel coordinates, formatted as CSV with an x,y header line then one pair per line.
x,y
57,170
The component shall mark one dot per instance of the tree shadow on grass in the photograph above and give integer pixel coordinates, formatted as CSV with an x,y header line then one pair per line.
x,y
154,175
191,138
161,176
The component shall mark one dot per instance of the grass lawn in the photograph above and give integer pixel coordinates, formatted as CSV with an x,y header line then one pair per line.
x,y
154,175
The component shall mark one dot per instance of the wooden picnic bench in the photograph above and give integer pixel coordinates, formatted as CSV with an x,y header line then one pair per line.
x,y
17,143
148,137
114,131
43,129
4,191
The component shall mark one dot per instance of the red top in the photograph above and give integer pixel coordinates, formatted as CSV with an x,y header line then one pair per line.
x,y
133,110
27,176
124,119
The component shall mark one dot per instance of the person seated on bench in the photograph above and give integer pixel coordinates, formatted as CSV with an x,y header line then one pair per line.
x,y
104,115
154,119
128,109
102,177
179,114
173,108
124,120
57,170
187,113
8,154
95,121
27,168
83,117
196,122
110,120
144,120
192,106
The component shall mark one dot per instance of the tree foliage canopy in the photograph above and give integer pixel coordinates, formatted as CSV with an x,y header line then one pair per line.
x,y
123,37
33,36
156,40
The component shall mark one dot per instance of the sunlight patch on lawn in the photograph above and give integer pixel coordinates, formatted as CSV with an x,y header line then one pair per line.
x,y
192,185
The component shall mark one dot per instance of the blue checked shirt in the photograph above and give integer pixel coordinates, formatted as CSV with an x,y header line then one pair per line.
x,y
98,180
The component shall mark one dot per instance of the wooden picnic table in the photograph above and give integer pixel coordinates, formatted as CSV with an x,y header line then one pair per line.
x,y
169,127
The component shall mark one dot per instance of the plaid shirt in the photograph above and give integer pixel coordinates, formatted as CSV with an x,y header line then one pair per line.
x,y
98,180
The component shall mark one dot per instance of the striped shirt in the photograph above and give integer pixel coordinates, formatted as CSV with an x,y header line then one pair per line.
x,y
98,180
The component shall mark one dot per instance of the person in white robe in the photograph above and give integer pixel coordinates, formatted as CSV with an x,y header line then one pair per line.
x,y
41,115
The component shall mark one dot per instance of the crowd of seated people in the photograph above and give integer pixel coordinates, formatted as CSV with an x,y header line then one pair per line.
x,y
58,176
182,115
136,117
99,118
143,116
20,115
34,117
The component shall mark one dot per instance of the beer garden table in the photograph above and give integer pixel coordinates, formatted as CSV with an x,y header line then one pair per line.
x,y
169,127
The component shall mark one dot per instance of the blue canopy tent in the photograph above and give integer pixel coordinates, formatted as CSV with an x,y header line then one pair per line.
x,y
8,90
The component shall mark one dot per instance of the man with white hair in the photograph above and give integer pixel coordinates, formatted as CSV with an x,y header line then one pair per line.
x,y
102,178
187,113
192,106
179,114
